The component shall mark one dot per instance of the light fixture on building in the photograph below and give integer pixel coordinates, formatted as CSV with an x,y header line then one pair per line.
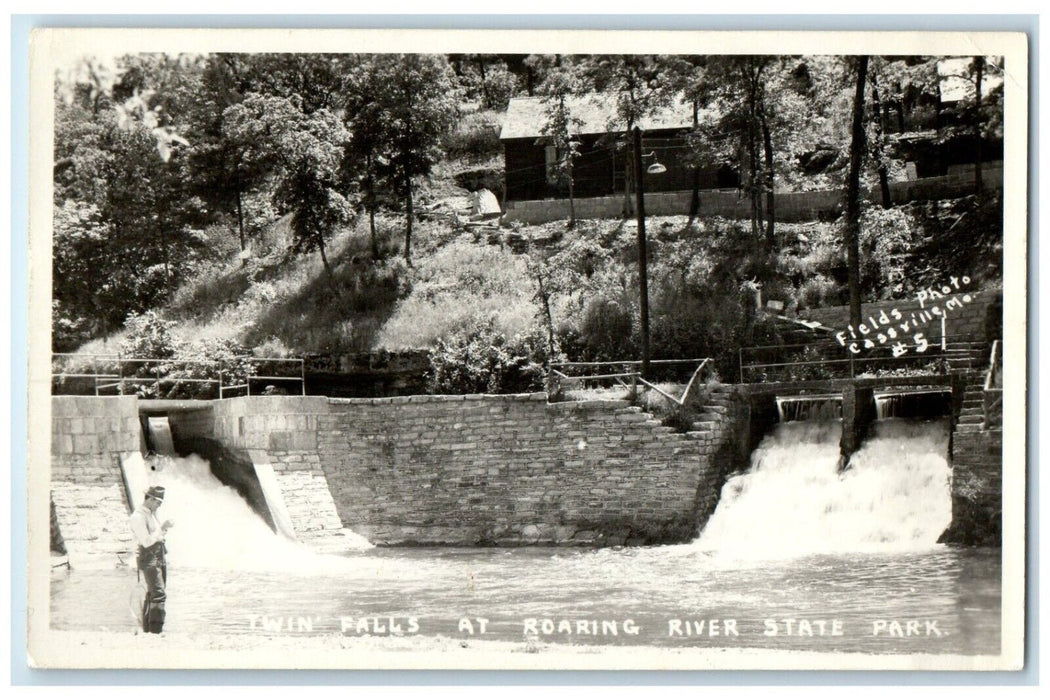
x,y
657,167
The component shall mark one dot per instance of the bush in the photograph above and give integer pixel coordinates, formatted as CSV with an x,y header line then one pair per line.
x,y
476,137
606,332
149,337
819,291
482,360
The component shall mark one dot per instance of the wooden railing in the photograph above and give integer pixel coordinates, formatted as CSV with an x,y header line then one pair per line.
x,y
628,379
993,389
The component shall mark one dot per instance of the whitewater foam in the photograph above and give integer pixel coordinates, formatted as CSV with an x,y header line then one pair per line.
x,y
215,528
893,496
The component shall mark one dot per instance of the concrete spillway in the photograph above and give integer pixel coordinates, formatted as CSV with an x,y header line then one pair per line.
x,y
255,482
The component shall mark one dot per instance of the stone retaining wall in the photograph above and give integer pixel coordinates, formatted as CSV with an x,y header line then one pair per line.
x,y
733,204
977,488
284,429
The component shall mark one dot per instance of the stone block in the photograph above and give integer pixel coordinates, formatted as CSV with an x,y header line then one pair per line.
x,y
85,444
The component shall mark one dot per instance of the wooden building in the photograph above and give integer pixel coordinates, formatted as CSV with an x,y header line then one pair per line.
x,y
600,167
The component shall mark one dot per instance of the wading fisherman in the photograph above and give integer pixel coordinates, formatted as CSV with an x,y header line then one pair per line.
x,y
149,533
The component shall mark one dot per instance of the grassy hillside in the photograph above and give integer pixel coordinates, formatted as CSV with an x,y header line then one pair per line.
x,y
468,292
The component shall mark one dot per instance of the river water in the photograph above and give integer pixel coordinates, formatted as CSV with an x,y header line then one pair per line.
x,y
797,556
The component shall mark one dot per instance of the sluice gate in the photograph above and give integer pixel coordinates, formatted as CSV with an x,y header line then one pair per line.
x,y
809,407
913,402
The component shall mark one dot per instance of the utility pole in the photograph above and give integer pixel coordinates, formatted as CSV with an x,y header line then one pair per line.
x,y
643,271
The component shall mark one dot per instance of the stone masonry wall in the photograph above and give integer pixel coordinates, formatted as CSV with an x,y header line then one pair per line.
x,y
722,429
509,470
467,470
88,435
977,488
790,206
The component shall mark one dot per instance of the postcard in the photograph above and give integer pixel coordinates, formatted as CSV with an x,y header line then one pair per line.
x,y
397,349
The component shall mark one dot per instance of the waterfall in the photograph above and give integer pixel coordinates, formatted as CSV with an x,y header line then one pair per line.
x,y
215,528
160,435
894,494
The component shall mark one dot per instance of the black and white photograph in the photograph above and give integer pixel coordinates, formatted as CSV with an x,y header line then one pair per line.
x,y
533,349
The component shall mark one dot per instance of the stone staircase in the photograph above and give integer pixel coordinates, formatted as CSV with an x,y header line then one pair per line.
x,y
715,410
972,417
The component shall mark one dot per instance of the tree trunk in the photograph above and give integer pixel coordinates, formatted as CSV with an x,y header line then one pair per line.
x,y
371,203
856,156
545,299
978,179
628,172
767,145
572,202
628,184
324,257
752,162
240,225
694,199
643,254
408,223
884,178
484,84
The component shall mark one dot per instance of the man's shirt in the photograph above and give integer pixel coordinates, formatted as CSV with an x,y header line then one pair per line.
x,y
145,528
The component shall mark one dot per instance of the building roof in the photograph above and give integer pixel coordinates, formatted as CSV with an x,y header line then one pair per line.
x,y
526,116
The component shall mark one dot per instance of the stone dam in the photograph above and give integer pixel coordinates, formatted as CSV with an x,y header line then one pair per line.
x,y
471,470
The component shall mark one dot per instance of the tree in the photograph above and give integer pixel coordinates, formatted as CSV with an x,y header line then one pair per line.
x,y
313,81
537,66
224,171
307,150
637,83
759,112
418,100
878,146
367,120
485,77
979,112
688,78
857,148
561,127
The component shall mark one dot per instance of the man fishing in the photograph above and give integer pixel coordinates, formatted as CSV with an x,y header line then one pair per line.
x,y
150,533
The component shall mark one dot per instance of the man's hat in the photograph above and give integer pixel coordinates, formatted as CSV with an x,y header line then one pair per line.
x,y
155,492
